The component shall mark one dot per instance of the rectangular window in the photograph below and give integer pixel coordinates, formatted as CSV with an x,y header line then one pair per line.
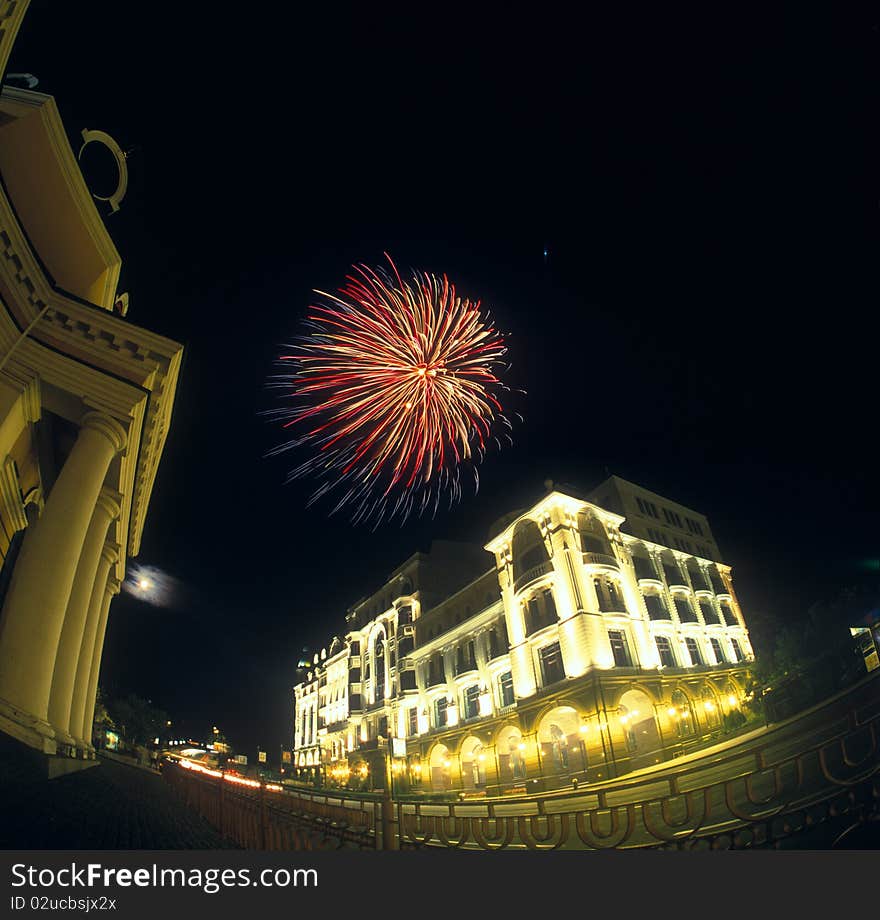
x,y
641,505
440,712
620,648
737,651
551,664
664,649
716,651
472,702
413,721
694,651
668,516
505,689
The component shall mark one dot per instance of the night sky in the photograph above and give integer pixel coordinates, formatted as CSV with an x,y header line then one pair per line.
x,y
704,324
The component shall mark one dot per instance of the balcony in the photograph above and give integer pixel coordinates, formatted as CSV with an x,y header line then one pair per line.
x,y
602,559
657,610
674,577
532,574
466,667
644,569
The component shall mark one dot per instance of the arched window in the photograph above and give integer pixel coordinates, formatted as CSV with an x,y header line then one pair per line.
x,y
711,713
682,715
379,653
511,755
594,539
609,595
473,764
561,746
439,765
529,551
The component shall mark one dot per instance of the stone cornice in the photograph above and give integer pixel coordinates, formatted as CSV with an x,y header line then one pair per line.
x,y
570,504
27,103
119,368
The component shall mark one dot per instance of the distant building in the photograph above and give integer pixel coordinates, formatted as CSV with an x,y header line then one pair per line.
x,y
85,407
593,642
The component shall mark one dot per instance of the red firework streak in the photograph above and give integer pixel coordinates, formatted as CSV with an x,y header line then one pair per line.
x,y
395,391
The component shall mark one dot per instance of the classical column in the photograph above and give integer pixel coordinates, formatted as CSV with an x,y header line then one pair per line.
x,y
111,589
68,659
109,555
33,615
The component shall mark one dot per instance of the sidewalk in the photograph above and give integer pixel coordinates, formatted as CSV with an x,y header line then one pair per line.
x,y
114,806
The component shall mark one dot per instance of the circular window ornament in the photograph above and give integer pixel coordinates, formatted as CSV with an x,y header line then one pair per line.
x,y
101,137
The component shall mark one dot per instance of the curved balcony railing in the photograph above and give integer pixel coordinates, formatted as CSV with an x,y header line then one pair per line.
x,y
535,572
601,559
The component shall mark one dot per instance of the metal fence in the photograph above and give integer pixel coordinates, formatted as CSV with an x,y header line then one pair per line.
x,y
806,781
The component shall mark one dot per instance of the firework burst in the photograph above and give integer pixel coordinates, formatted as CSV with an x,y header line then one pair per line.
x,y
395,392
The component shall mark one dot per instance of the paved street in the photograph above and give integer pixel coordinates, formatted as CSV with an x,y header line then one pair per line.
x,y
110,807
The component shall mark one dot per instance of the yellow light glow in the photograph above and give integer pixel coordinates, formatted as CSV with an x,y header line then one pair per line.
x,y
732,700
672,712
585,728
145,583
521,746
708,706
482,758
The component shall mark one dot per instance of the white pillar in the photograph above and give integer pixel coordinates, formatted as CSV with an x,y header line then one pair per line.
x,y
110,590
67,658
109,555
33,615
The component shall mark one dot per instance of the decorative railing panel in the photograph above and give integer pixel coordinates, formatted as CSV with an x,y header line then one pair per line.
x,y
807,781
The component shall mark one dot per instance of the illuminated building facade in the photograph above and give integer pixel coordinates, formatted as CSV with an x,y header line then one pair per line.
x,y
600,641
85,407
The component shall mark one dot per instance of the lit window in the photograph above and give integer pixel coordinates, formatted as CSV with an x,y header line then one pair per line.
x,y
620,648
551,664
472,702
505,689
693,651
664,649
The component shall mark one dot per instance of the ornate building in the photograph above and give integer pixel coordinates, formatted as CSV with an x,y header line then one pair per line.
x,y
85,407
600,641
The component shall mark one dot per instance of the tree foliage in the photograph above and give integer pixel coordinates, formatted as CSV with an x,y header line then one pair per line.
x,y
137,720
